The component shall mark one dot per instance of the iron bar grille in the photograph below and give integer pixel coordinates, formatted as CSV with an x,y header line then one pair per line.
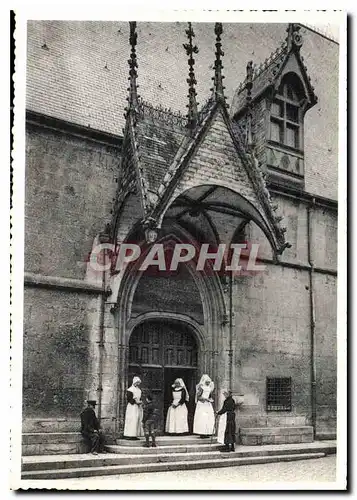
x,y
278,396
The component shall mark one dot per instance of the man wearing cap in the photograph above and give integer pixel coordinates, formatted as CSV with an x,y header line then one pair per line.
x,y
90,428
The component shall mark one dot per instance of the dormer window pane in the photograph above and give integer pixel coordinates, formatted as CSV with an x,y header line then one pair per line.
x,y
292,113
292,137
276,132
290,93
277,108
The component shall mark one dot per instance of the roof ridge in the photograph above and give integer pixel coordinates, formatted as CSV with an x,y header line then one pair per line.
x,y
259,69
203,112
185,150
162,114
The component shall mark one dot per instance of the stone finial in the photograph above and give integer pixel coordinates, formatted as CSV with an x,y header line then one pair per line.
x,y
191,49
294,39
249,86
249,82
133,64
218,88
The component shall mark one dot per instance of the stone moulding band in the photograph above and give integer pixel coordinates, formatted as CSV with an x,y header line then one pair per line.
x,y
73,129
70,284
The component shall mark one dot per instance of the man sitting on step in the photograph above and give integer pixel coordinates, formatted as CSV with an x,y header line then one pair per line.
x,y
90,429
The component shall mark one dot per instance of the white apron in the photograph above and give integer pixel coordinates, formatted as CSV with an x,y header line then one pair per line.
x,y
176,420
203,422
133,416
221,428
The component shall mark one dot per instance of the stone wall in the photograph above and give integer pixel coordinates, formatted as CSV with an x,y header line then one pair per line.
x,y
324,236
70,185
273,324
271,339
59,347
326,332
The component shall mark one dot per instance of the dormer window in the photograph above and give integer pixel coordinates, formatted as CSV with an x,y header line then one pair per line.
x,y
286,120
278,94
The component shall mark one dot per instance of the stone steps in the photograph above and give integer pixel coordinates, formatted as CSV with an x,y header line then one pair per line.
x,y
51,438
168,441
162,454
53,443
276,435
224,460
126,460
60,443
174,448
137,459
51,425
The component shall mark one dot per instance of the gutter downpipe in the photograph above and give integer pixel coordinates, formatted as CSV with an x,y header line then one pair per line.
x,y
230,352
103,238
312,317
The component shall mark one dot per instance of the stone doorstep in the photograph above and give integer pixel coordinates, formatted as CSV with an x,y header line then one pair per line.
x,y
264,440
117,459
54,449
42,462
51,437
51,425
151,455
322,436
72,442
157,467
276,431
173,448
257,437
167,440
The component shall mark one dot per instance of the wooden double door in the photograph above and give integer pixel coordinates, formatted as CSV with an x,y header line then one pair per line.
x,y
159,353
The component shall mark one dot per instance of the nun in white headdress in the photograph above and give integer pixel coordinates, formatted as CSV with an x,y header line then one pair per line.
x,y
176,420
203,423
134,411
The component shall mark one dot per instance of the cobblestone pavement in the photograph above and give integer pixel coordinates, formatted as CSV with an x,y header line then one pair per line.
x,y
312,471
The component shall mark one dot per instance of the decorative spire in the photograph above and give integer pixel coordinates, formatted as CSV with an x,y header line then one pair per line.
x,y
192,114
294,39
218,89
249,86
133,64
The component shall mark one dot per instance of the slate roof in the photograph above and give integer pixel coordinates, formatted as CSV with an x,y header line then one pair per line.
x,y
160,133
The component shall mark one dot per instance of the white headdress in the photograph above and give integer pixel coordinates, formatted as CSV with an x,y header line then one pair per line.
x,y
205,378
135,390
182,386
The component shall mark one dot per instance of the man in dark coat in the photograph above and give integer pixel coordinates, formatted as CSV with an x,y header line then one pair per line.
x,y
90,429
229,407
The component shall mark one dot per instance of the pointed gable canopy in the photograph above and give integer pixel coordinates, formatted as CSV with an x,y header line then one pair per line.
x,y
170,154
269,75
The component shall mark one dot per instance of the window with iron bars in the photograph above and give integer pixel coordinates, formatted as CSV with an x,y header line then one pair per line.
x,y
278,394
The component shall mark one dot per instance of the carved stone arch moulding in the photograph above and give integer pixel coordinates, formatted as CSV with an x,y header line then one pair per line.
x,y
211,333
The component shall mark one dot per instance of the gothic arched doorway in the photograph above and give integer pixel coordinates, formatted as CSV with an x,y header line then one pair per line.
x,y
159,352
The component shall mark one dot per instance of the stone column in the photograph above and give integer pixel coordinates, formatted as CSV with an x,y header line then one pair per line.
x,y
109,373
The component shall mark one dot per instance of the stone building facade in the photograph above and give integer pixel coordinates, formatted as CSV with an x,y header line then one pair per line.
x,y
262,170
